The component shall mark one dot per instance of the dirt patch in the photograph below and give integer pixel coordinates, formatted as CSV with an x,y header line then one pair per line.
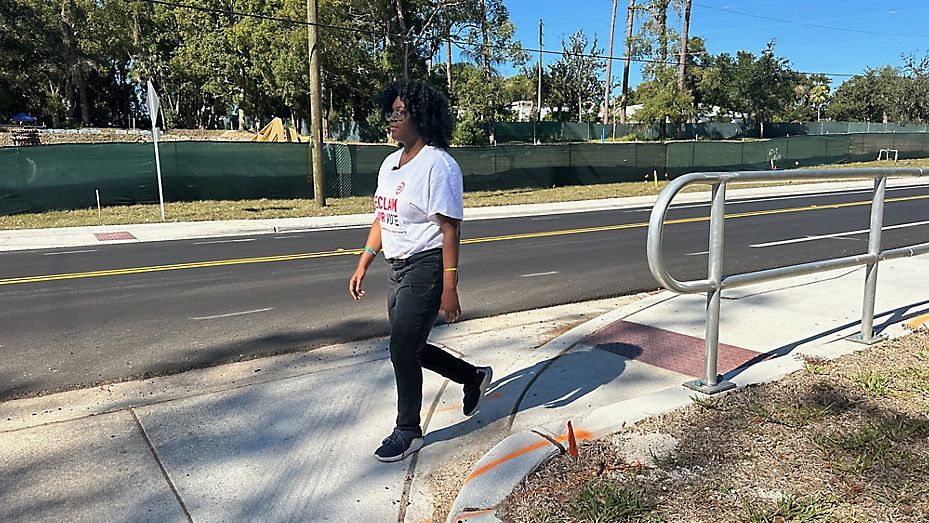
x,y
101,135
448,481
842,440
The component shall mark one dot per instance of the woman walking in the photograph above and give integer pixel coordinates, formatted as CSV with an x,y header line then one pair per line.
x,y
418,211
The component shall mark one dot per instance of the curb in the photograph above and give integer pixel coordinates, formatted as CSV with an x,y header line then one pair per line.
x,y
498,472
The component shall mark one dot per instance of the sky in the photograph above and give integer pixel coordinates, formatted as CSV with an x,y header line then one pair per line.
x,y
851,36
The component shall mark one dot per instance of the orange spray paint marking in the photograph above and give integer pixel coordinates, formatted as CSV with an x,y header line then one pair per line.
x,y
457,406
464,515
582,435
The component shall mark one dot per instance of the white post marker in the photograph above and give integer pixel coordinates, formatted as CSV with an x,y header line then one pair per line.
x,y
98,202
153,104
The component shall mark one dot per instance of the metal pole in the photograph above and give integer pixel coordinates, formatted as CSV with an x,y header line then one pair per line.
x,y
630,13
874,249
710,383
316,116
715,274
683,62
161,192
609,68
539,93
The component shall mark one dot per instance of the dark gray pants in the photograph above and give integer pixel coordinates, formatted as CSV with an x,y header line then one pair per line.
x,y
413,299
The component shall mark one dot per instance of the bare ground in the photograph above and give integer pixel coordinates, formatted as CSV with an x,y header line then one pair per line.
x,y
103,135
841,441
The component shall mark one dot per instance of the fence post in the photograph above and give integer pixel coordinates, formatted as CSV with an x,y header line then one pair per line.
x,y
711,384
787,150
870,281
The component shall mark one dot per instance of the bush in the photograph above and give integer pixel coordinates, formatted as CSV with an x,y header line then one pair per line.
x,y
469,132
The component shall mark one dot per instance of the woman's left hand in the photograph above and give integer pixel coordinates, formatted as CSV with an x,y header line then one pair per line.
x,y
450,305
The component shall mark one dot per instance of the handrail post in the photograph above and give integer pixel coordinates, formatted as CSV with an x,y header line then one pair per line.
x,y
710,384
714,283
870,281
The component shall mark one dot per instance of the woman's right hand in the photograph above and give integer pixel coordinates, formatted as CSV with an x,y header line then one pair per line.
x,y
354,284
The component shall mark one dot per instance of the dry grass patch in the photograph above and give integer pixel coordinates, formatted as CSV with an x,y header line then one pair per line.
x,y
840,441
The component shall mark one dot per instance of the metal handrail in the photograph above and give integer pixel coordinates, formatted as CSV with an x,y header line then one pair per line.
x,y
715,282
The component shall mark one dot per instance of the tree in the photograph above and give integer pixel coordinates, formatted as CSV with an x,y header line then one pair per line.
x,y
870,97
476,96
24,83
663,99
489,37
655,36
663,102
575,79
915,99
810,94
760,88
819,95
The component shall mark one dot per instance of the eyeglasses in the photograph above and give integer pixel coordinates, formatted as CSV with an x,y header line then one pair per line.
x,y
396,116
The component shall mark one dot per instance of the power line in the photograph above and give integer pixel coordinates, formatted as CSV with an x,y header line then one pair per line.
x,y
214,10
460,43
404,38
807,24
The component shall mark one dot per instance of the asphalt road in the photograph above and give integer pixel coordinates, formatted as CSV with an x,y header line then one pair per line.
x,y
123,311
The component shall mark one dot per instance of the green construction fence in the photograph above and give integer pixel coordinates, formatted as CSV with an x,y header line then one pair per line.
x,y
36,179
545,132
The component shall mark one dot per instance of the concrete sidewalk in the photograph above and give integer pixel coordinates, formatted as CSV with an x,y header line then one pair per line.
x,y
290,438
287,438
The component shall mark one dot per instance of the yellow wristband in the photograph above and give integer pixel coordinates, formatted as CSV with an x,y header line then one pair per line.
x,y
451,269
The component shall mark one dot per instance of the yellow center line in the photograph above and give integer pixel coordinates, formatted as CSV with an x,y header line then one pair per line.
x,y
174,267
603,228
356,252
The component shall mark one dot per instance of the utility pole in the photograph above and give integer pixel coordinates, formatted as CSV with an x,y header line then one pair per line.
x,y
683,64
539,103
448,60
625,99
316,116
609,68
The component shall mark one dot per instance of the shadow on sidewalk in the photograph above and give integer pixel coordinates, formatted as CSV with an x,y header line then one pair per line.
x,y
891,317
552,383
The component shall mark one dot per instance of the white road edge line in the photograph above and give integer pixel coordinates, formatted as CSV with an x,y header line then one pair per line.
x,y
68,252
533,275
225,241
231,314
697,253
319,229
836,235
772,198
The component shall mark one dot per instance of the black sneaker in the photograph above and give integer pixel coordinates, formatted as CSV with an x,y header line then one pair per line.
x,y
474,392
400,444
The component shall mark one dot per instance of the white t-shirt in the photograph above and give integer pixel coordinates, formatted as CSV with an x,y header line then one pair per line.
x,y
408,199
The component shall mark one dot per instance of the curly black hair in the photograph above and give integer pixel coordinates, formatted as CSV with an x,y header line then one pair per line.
x,y
428,108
